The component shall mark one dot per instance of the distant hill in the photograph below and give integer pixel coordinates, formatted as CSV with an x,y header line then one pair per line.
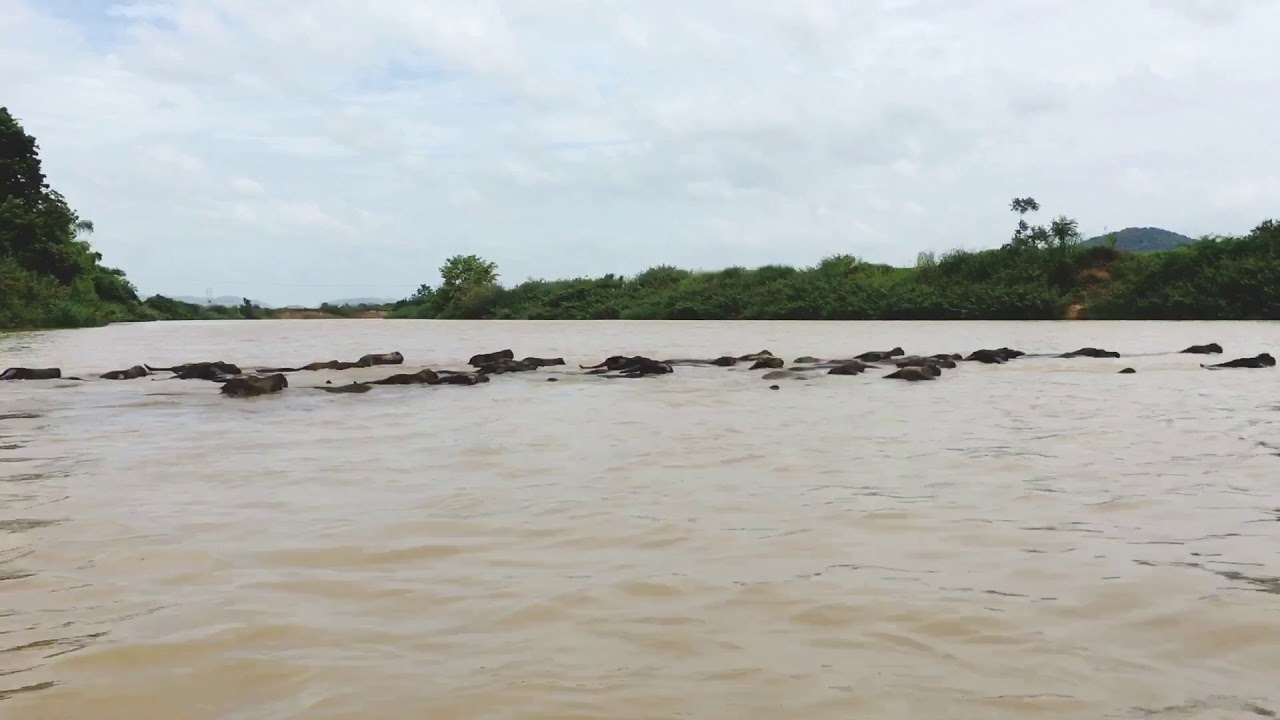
x,y
1143,239
361,301
225,300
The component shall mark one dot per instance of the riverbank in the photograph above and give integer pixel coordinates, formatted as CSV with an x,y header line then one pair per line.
x,y
50,277
1218,278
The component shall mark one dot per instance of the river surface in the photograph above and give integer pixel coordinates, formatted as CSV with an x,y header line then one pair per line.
x,y
1043,539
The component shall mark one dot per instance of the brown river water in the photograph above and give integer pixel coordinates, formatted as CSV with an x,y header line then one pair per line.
x,y
1044,539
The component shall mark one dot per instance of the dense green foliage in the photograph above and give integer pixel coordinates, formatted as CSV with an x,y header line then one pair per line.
x,y
1038,274
49,274
1231,278
1141,240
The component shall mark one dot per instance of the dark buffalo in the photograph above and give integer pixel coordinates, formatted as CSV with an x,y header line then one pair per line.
x,y
919,361
633,367
768,362
849,367
425,376
782,375
915,373
881,355
987,356
1127,371
486,358
505,365
463,378
1091,352
538,362
22,373
353,388
1263,360
1210,349
391,358
136,371
335,365
364,362
216,371
254,385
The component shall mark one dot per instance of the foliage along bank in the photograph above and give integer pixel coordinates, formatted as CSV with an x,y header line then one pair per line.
x,y
1042,273
50,276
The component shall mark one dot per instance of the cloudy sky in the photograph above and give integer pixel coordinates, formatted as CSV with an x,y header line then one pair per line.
x,y
303,150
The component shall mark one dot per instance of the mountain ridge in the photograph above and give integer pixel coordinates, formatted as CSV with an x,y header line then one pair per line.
x,y
1142,239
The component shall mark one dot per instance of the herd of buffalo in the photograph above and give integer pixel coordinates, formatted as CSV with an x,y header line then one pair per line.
x,y
261,381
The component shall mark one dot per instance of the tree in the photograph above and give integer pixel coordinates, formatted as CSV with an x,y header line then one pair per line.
x,y
1064,231
467,271
38,229
1025,235
462,274
839,265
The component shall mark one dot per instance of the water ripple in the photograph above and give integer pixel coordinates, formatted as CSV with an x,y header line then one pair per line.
x,y
1042,539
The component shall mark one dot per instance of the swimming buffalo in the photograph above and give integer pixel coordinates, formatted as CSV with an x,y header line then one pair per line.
x,y
918,361
1210,349
425,376
767,362
391,358
254,385
216,371
880,355
540,362
462,378
136,371
1091,352
988,357
22,373
915,373
636,366
486,358
353,388
507,365
849,367
1263,360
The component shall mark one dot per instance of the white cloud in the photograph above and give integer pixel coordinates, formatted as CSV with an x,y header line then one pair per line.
x,y
360,143
247,186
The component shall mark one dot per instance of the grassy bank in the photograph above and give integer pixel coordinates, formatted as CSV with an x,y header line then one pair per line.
x,y
1216,278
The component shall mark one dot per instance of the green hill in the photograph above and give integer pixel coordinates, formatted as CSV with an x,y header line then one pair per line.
x,y
1142,239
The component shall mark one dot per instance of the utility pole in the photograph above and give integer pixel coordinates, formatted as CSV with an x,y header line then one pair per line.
x,y
208,296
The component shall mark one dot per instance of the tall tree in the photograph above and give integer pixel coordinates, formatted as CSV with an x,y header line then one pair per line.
x,y
37,227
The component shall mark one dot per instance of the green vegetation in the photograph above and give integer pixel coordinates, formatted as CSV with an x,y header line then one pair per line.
x,y
1224,278
49,274
1141,239
51,277
1044,272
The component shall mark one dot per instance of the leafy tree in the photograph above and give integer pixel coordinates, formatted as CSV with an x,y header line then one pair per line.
x,y
1026,235
53,275
463,272
465,281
